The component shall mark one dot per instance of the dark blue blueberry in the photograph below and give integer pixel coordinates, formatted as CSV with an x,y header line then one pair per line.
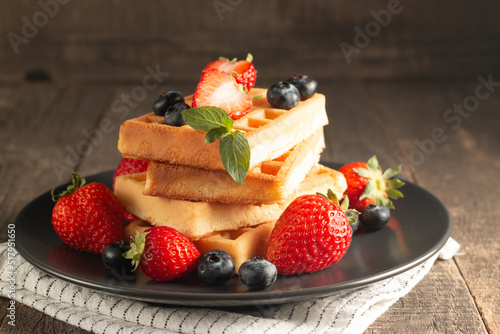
x,y
113,259
374,217
215,267
355,225
257,273
173,115
306,85
166,100
283,95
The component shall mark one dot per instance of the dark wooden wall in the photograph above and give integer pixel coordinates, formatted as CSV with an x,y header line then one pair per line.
x,y
113,41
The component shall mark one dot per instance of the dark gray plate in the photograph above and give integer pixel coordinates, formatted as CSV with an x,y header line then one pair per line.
x,y
419,227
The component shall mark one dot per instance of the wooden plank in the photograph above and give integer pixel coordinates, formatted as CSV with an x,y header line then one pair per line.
x,y
461,171
118,45
442,294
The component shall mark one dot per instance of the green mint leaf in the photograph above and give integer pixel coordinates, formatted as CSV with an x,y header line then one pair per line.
x,y
235,155
215,134
206,118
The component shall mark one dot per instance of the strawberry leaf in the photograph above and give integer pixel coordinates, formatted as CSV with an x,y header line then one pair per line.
x,y
363,172
391,172
235,155
394,183
206,118
393,193
373,164
137,248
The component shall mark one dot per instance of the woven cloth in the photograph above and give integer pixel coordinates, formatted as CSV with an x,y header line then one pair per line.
x,y
350,311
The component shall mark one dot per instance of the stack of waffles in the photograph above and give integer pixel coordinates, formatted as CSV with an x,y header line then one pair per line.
x,y
187,188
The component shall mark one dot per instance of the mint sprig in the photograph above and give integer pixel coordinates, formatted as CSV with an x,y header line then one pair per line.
x,y
233,148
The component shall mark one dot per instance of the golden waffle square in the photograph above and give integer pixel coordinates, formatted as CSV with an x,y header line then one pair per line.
x,y
198,219
270,133
242,244
270,182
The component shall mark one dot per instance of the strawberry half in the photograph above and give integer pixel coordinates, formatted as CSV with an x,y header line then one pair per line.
x,y
243,71
130,166
366,184
163,253
218,89
87,217
311,234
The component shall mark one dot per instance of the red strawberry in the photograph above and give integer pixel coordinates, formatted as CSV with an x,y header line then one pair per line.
x,y
163,253
87,217
366,184
311,234
129,166
243,71
218,89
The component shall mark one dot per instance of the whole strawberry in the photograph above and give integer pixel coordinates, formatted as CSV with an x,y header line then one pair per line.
x,y
311,234
163,253
129,166
366,184
243,71
87,217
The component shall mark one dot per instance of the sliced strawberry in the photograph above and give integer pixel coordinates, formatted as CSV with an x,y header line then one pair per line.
x,y
243,71
218,89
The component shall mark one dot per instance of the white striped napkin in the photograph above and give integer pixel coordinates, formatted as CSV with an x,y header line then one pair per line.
x,y
349,311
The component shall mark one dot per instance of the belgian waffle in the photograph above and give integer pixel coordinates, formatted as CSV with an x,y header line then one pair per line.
x,y
198,219
270,133
242,244
270,182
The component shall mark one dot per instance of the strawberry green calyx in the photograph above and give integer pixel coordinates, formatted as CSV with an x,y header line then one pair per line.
x,y
344,206
137,247
381,186
77,182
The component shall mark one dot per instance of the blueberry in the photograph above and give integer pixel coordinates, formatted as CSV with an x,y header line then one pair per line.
x,y
166,100
374,217
215,267
257,273
283,95
173,115
113,259
306,85
355,225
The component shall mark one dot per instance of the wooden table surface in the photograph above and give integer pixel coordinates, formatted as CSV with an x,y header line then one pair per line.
x,y
445,135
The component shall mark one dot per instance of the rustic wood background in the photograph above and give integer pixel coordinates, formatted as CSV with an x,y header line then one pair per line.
x,y
112,41
64,76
